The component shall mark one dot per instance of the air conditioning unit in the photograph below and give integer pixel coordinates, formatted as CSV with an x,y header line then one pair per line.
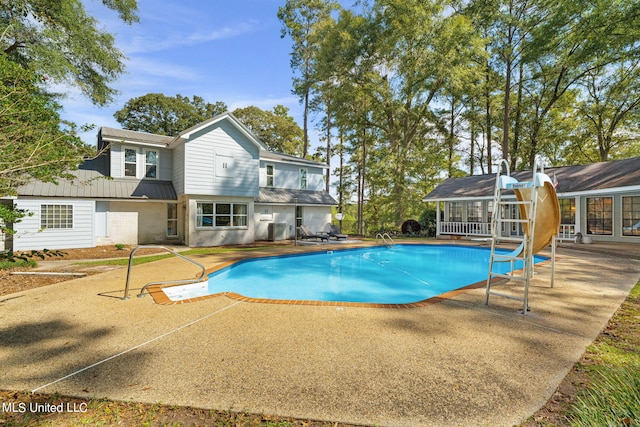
x,y
277,231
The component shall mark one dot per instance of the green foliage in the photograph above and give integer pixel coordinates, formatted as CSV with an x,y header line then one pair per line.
x,y
33,142
613,399
302,20
166,115
427,222
28,256
9,215
277,129
17,264
386,69
421,90
612,394
58,39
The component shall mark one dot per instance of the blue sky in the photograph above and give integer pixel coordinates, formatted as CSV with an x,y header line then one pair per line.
x,y
221,50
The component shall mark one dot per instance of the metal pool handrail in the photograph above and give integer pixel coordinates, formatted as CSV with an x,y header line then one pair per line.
x,y
385,236
185,281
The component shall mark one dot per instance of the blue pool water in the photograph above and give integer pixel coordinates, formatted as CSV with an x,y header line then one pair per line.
x,y
398,275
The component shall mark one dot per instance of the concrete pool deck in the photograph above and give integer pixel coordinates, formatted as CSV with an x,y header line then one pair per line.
x,y
457,362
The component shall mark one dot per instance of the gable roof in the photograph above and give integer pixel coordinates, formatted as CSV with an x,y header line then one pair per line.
x,y
287,158
93,184
185,134
124,135
615,174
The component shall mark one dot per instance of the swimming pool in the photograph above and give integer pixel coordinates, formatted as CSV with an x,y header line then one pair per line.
x,y
402,274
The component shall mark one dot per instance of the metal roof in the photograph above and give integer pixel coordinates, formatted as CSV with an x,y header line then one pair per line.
x,y
571,179
112,134
280,157
93,184
284,196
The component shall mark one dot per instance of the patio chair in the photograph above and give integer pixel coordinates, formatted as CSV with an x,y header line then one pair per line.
x,y
334,231
304,233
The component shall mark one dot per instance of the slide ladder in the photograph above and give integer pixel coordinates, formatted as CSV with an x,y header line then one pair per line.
x,y
535,227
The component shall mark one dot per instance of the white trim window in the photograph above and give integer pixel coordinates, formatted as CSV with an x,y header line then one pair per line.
x,y
151,164
221,215
56,216
172,219
474,211
631,216
600,215
270,169
303,178
130,159
455,212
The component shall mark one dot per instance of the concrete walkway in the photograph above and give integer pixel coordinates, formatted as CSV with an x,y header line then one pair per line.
x,y
457,362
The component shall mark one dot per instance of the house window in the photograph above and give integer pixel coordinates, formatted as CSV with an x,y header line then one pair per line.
x,y
298,216
474,211
172,219
210,214
631,216
239,215
56,216
567,211
270,176
455,211
600,215
303,179
151,164
204,215
223,214
130,162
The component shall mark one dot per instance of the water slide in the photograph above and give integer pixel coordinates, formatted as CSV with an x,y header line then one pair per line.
x,y
547,220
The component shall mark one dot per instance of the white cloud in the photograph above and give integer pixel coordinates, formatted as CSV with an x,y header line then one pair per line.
x,y
160,38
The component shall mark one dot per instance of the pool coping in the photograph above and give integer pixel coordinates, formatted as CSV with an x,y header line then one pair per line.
x,y
161,298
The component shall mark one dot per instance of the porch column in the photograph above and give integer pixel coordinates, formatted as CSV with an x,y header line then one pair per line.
x,y
578,220
437,219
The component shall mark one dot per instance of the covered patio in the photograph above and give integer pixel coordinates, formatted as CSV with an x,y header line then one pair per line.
x,y
600,201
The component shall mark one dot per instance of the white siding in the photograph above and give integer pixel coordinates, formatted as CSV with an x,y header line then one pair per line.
x,y
178,169
80,236
288,176
165,161
279,214
224,141
314,217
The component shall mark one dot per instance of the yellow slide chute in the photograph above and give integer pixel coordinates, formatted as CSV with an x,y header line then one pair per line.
x,y
547,219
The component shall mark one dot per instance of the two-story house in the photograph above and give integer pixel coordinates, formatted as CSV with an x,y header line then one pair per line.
x,y
213,184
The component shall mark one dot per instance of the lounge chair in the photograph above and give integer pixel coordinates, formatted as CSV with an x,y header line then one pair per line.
x,y
304,233
334,231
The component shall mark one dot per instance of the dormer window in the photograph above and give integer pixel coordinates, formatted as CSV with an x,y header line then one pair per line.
x,y
130,162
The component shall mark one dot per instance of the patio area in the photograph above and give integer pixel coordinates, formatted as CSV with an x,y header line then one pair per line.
x,y
457,362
